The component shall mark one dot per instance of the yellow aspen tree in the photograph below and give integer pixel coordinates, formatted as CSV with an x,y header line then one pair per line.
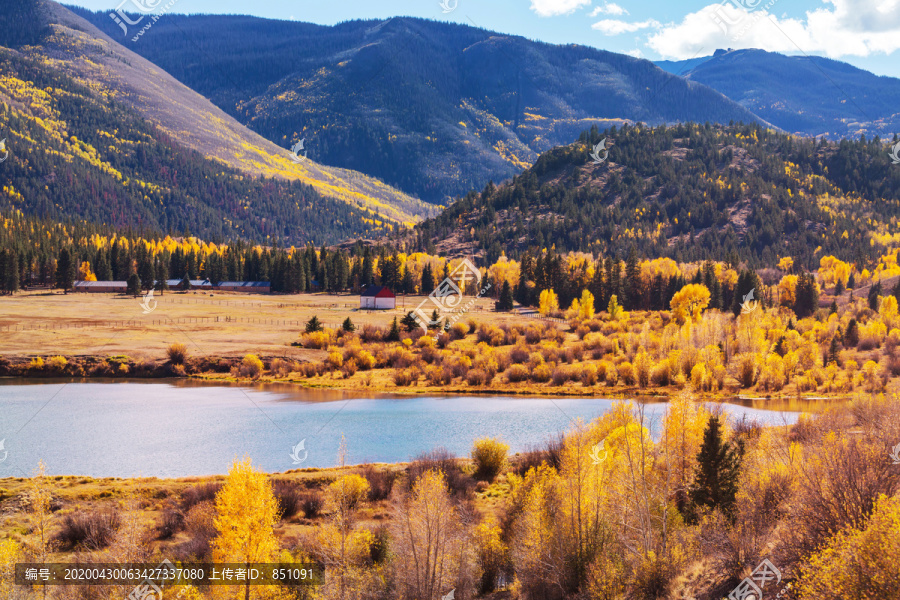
x,y
428,537
10,554
615,311
246,511
549,303
786,264
586,308
787,289
888,311
85,273
690,301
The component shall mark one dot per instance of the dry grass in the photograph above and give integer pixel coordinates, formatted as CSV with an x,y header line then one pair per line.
x,y
237,332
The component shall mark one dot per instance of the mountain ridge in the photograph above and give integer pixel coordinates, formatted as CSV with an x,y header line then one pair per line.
x,y
90,55
805,95
688,192
432,108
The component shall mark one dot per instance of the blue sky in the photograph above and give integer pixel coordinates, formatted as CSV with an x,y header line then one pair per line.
x,y
865,33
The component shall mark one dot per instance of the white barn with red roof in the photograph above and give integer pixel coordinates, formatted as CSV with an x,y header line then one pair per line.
x,y
377,297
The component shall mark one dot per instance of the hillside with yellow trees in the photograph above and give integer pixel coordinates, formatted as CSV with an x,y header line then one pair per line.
x,y
688,192
96,132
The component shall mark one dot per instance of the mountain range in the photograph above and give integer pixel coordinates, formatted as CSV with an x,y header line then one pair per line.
x,y
83,114
805,95
434,109
191,129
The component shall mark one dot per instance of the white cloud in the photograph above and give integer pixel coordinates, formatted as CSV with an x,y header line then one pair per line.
x,y
635,53
609,8
617,26
841,28
552,8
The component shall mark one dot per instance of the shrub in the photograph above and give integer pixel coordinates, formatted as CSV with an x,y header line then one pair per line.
x,y
477,377
405,377
37,363
199,524
489,456
89,530
491,335
350,368
541,374
519,354
443,461
172,522
205,492
562,375
349,489
626,373
311,503
458,331
289,495
57,363
642,366
317,340
517,373
858,562
533,335
335,360
370,333
177,353
380,483
588,375
251,366
281,368
438,375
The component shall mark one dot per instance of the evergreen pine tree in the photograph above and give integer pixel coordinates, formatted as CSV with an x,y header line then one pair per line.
x,y
394,333
65,270
409,321
134,285
348,325
313,325
718,468
427,280
505,301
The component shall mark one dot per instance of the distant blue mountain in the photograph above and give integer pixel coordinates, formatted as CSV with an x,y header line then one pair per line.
x,y
807,95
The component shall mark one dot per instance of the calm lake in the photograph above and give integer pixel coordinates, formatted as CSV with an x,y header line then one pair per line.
x,y
177,429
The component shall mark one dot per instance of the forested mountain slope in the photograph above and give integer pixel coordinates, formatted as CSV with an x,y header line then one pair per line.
x,y
690,192
434,109
101,83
